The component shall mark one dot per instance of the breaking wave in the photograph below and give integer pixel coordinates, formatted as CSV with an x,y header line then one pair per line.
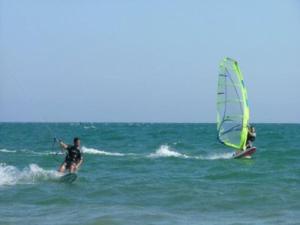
x,y
11,175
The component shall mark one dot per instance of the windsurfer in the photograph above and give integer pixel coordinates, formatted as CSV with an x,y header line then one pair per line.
x,y
250,137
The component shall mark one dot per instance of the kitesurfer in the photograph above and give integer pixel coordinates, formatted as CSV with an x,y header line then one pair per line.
x,y
73,158
250,137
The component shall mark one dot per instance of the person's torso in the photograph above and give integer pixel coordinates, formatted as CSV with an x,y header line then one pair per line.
x,y
74,153
251,136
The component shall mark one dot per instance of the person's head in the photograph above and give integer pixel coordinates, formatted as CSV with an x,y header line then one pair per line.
x,y
76,141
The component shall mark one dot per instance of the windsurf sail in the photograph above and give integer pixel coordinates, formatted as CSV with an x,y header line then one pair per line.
x,y
232,106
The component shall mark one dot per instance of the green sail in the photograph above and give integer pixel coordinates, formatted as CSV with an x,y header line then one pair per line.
x,y
232,106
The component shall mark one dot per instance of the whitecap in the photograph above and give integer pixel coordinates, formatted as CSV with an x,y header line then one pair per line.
x,y
165,151
100,152
7,151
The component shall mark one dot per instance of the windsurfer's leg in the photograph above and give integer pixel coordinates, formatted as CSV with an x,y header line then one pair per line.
x,y
73,168
62,167
250,144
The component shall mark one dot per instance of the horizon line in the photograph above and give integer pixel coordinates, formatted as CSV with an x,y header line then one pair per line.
x,y
128,122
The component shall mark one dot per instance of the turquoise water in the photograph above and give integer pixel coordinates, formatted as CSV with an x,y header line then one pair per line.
x,y
148,174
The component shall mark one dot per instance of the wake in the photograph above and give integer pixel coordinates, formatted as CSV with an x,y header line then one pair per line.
x,y
11,175
94,151
165,151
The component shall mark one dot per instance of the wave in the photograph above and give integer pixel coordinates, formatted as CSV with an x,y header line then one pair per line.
x,y
84,150
8,151
89,127
100,152
24,151
216,156
11,175
165,151
42,152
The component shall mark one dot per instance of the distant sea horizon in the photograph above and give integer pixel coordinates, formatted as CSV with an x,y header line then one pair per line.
x,y
156,122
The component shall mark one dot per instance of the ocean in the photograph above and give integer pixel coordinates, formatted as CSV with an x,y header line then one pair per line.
x,y
148,174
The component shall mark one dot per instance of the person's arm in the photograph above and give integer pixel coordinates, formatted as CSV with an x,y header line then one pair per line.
x,y
79,163
252,133
63,145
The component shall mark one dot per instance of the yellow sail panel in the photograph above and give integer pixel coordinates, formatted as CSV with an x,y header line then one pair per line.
x,y
232,106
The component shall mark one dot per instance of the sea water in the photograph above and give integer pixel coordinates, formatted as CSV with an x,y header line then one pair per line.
x,y
140,173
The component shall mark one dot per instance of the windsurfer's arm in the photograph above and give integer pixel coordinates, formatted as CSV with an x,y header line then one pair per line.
x,y
252,134
79,163
63,145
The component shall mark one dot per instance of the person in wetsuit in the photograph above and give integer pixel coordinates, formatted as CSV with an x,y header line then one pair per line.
x,y
250,137
73,158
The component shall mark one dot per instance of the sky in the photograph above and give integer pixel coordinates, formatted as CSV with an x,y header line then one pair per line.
x,y
145,61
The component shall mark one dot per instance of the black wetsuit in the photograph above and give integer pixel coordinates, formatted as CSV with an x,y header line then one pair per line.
x,y
73,155
250,139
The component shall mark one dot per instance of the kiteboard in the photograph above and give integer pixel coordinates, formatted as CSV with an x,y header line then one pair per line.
x,y
68,178
244,154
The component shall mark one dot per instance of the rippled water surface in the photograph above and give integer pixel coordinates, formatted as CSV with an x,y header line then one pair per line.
x,y
148,174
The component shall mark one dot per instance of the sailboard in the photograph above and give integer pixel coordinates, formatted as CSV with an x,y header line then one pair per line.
x,y
232,106
244,154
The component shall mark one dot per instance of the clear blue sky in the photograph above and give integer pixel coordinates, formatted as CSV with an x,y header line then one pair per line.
x,y
145,61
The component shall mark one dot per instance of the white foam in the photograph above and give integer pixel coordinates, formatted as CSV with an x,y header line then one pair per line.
x,y
100,152
8,151
11,175
227,155
23,151
55,153
165,151
89,127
